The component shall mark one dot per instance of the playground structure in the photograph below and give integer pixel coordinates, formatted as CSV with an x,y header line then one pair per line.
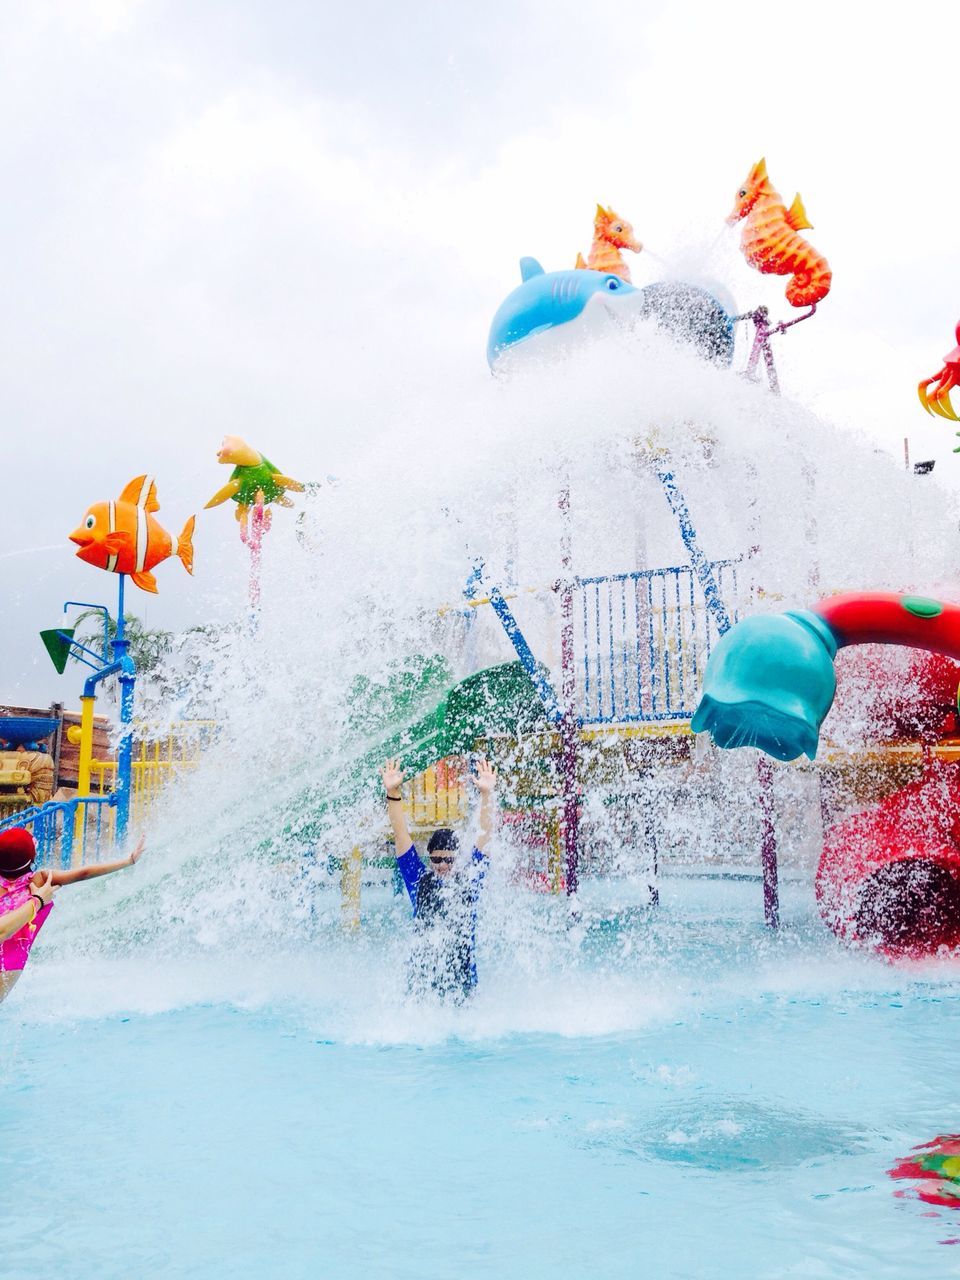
x,y
613,705
889,876
26,767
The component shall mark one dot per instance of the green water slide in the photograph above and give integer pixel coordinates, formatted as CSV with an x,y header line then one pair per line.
x,y
419,715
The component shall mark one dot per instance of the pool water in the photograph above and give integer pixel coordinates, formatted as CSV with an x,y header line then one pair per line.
x,y
669,1094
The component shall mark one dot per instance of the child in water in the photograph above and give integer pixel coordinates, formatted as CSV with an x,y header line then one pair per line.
x,y
444,895
26,897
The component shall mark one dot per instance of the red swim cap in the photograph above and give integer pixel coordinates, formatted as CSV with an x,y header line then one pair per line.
x,y
17,851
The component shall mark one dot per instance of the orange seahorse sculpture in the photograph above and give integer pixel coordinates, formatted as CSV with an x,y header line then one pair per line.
x,y
938,400
610,235
770,241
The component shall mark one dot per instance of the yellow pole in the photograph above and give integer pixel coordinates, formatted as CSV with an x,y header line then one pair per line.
x,y
83,775
350,877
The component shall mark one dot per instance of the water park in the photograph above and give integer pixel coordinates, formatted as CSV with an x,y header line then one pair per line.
x,y
550,818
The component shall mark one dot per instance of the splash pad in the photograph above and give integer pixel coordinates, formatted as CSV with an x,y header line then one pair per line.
x,y
588,530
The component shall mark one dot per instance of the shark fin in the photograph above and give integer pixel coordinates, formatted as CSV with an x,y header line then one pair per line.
x,y
530,267
797,215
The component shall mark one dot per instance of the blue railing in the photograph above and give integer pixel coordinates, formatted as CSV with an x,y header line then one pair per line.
x,y
644,639
60,839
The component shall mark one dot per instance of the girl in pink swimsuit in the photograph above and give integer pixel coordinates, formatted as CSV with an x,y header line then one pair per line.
x,y
26,897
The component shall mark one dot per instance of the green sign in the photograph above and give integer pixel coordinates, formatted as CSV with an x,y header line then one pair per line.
x,y
57,644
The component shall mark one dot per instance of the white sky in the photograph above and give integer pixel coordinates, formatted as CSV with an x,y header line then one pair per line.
x,y
281,219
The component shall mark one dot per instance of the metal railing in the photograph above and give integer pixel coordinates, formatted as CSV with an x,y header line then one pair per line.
x,y
61,840
644,638
64,840
438,796
159,759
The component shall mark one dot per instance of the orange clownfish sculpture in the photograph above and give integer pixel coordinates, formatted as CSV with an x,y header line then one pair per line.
x,y
610,234
123,537
771,243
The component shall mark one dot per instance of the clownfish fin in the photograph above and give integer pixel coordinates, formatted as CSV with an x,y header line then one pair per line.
x,y
142,492
117,542
797,216
185,545
579,265
145,581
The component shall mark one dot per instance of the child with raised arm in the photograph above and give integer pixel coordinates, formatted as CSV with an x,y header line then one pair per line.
x,y
444,895
26,897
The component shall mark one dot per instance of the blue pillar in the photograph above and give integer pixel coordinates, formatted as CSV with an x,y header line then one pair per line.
x,y
525,654
701,565
127,677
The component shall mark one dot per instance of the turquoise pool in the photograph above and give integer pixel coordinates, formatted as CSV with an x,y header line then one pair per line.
x,y
669,1095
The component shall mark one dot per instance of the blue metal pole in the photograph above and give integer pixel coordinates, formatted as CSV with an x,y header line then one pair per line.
x,y
120,620
711,593
701,565
525,654
127,677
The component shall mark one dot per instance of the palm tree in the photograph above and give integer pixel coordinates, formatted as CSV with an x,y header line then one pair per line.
x,y
147,648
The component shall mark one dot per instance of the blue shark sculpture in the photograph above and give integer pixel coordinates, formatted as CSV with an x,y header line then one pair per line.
x,y
582,302
548,299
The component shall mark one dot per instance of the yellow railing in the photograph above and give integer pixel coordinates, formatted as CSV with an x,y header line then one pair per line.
x,y
158,759
438,796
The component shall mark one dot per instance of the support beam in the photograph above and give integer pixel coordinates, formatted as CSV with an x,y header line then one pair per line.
x,y
768,844
711,594
570,723
701,565
525,654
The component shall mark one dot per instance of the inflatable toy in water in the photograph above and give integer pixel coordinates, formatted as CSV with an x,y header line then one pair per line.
x,y
937,401
553,308
123,536
771,243
936,1169
254,481
611,233
770,680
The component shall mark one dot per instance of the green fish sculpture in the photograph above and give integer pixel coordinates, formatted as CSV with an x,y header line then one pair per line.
x,y
254,480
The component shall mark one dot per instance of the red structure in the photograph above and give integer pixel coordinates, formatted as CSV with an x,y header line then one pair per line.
x,y
890,877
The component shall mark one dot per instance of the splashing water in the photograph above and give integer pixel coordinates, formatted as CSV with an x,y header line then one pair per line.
x,y
679,1066
362,585
30,551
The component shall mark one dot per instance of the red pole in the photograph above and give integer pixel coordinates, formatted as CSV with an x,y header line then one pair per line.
x,y
569,727
768,844
253,537
768,831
